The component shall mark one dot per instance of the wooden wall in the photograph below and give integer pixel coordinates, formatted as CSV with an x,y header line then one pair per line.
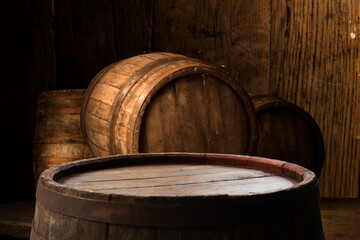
x,y
315,64
304,51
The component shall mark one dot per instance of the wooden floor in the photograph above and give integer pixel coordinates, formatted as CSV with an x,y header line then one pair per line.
x,y
340,217
16,219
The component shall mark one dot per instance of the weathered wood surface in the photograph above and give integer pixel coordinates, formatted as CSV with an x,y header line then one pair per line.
x,y
16,219
178,196
163,102
288,133
341,218
58,136
232,35
92,34
315,65
178,180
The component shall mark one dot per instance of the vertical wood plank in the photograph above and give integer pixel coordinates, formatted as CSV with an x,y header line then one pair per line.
x,y
133,22
170,119
195,113
93,34
233,35
85,41
314,54
53,225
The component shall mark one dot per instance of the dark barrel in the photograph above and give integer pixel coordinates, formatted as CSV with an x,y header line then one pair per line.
x,y
287,132
58,136
177,196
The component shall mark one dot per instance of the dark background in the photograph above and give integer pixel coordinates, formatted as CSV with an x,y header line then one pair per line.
x,y
303,51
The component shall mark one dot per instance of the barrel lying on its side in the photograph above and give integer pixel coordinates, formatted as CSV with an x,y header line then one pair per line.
x,y
58,136
177,196
288,133
163,102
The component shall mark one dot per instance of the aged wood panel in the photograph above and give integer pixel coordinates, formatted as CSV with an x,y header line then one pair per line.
x,y
341,218
58,136
192,118
52,225
16,219
92,34
232,35
314,52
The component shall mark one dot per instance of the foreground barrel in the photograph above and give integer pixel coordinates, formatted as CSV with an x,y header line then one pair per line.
x,y
163,102
288,133
177,196
58,136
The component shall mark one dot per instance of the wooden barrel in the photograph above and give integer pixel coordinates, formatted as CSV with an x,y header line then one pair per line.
x,y
288,133
177,196
58,136
163,102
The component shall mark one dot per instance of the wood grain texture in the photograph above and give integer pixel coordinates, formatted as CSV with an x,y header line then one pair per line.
x,y
233,35
314,54
341,218
92,34
16,219
52,225
58,136
178,180
196,114
193,105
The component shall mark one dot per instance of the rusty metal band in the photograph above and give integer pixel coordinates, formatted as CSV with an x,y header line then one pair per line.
x,y
122,94
180,213
33,234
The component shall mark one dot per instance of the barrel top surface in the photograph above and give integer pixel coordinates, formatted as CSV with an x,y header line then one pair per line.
x,y
176,175
176,189
178,180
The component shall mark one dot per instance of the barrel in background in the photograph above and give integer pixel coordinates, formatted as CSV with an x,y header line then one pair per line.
x,y
164,102
288,133
178,196
58,136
